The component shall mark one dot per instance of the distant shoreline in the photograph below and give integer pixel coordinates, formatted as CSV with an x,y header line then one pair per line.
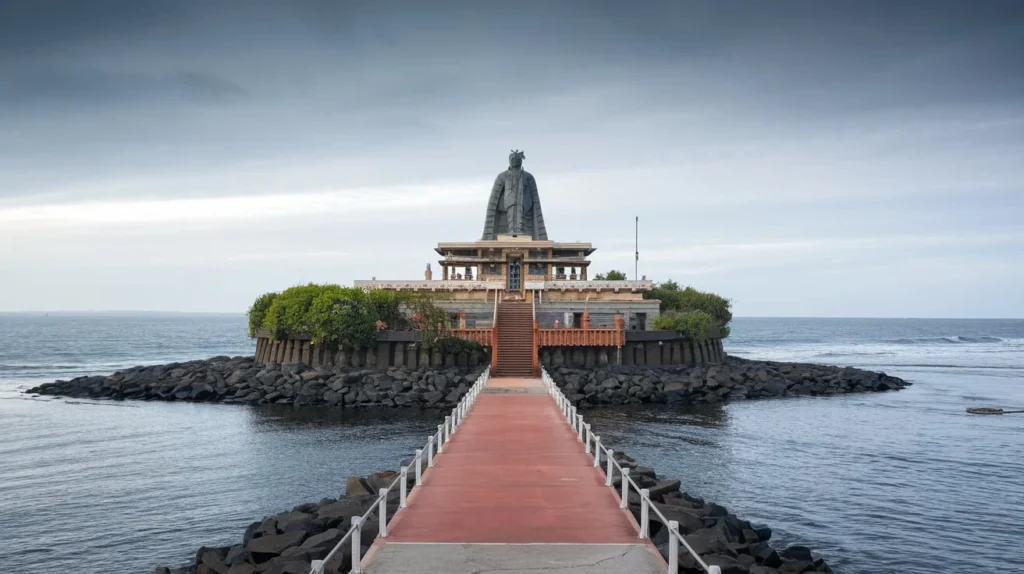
x,y
100,313
121,314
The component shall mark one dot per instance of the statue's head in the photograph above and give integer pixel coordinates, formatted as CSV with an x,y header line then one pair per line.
x,y
515,159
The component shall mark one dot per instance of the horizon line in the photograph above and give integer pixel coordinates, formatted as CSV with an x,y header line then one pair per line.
x,y
223,313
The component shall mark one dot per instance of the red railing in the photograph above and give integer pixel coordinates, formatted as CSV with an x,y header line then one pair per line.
x,y
482,336
581,337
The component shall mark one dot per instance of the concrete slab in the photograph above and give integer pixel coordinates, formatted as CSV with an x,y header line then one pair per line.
x,y
400,558
497,385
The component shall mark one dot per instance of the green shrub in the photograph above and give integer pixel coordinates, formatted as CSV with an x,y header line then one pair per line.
x,y
386,306
342,315
694,325
691,300
431,320
258,312
612,275
289,314
455,345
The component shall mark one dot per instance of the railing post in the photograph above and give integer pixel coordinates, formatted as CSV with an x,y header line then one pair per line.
x,y
447,428
714,570
597,452
673,547
430,452
419,467
579,426
587,432
645,503
625,489
440,439
611,468
357,543
382,513
404,478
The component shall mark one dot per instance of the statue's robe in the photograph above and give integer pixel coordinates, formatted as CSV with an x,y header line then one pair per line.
x,y
514,207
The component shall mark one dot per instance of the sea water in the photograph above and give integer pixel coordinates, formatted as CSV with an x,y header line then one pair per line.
x,y
888,482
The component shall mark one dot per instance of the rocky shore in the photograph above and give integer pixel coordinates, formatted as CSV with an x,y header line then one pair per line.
x,y
240,380
286,543
734,379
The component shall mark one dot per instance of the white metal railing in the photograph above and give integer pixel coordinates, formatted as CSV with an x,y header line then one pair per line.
x,y
593,445
435,445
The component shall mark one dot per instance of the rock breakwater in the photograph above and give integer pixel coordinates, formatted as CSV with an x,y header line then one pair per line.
x,y
718,536
734,379
287,543
240,380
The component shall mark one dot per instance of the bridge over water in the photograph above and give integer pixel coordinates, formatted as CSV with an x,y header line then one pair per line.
x,y
514,481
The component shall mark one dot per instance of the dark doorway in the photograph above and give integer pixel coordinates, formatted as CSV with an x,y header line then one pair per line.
x,y
515,274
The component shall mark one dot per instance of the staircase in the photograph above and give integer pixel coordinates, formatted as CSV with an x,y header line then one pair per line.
x,y
515,340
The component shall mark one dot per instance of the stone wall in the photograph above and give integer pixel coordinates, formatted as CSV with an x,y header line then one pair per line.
x,y
393,349
402,349
642,349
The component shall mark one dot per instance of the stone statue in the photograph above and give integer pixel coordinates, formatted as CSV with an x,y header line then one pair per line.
x,y
514,205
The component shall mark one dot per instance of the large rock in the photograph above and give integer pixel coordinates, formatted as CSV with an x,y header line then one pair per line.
x,y
344,508
268,546
688,521
380,480
293,521
327,539
356,486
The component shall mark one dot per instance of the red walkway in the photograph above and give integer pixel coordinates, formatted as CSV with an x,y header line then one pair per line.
x,y
513,473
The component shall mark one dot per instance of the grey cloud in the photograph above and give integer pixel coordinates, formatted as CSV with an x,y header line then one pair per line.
x,y
83,86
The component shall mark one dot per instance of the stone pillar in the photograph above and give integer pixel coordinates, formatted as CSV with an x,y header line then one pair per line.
x,y
428,274
653,354
383,355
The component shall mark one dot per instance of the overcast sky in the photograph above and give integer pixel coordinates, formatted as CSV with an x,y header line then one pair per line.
x,y
802,158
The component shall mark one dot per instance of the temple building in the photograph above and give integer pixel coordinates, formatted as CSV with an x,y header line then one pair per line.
x,y
514,261
517,291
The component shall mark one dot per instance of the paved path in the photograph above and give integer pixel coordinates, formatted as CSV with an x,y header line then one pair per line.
x,y
513,492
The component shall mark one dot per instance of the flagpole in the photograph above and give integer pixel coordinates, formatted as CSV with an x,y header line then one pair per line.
x,y
636,246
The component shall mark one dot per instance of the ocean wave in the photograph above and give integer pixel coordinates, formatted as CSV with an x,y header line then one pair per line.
x,y
856,354
953,340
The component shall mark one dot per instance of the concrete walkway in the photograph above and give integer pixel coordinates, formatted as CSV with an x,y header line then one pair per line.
x,y
513,492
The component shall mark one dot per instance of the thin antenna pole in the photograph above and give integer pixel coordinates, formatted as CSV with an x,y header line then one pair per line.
x,y
636,246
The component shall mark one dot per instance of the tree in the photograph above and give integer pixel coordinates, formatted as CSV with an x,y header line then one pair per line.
x,y
612,275
678,303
